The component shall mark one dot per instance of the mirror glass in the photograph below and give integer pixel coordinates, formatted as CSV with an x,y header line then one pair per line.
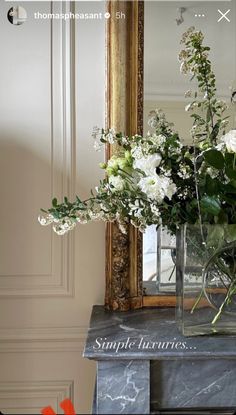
x,y
165,87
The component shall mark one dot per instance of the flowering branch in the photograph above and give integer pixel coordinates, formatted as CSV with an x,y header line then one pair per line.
x,y
194,60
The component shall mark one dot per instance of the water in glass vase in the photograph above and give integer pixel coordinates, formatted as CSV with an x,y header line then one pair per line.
x,y
206,279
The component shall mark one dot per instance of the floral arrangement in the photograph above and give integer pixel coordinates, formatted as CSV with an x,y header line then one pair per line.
x,y
156,179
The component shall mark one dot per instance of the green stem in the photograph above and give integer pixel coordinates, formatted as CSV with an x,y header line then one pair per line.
x,y
197,193
197,300
227,298
207,90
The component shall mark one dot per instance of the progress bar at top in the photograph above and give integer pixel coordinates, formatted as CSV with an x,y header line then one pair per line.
x,y
179,1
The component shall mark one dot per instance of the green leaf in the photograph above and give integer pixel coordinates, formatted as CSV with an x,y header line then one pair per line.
x,y
222,217
209,114
229,187
215,236
229,159
54,202
211,186
56,214
215,158
215,131
231,173
230,231
210,205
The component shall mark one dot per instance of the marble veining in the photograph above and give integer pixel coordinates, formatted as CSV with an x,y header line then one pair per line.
x,y
190,384
123,388
144,365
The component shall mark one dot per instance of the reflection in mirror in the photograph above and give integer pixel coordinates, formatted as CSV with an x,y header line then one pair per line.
x,y
165,87
158,261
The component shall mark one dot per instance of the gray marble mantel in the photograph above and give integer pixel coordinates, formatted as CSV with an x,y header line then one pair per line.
x,y
144,365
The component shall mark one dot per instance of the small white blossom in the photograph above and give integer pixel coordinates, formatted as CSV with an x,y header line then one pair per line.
x,y
221,105
153,122
46,220
136,152
158,140
111,135
184,171
184,68
221,146
96,132
155,210
188,94
97,146
64,226
124,140
183,193
136,209
59,230
191,106
165,172
212,172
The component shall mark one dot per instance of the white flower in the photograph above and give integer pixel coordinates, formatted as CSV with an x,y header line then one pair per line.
x,y
96,132
97,146
121,223
117,183
191,106
111,135
230,141
59,230
184,171
155,210
124,140
224,123
135,209
220,146
183,193
153,122
170,189
148,164
46,220
221,105
136,152
64,226
211,171
158,140
184,68
188,107
157,187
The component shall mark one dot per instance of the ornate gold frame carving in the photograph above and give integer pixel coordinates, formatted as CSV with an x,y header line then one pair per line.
x,y
125,41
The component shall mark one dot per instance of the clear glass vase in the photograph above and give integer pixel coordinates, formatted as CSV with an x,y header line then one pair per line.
x,y
206,279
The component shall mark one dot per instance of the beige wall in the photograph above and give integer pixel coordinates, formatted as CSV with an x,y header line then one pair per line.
x,y
175,113
48,284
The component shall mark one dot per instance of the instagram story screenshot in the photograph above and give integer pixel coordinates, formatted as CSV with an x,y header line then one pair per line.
x,y
118,207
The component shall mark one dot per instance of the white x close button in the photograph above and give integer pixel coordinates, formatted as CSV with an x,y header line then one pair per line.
x,y
224,15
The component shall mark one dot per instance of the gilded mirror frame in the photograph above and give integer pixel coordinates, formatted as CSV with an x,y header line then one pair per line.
x,y
124,112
